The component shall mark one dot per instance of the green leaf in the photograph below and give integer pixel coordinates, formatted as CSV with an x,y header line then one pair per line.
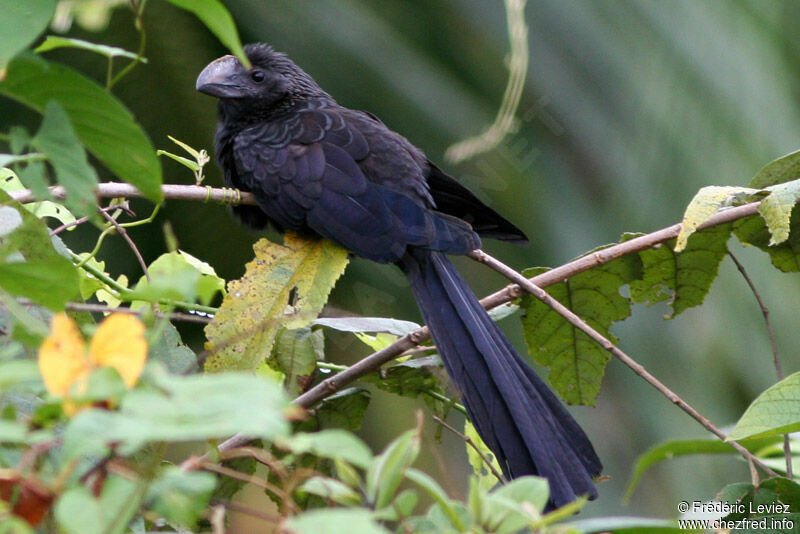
x,y
295,354
104,126
411,378
334,443
332,490
486,479
21,23
685,276
706,203
256,306
777,208
576,362
10,182
627,525
57,140
335,521
172,277
387,470
396,327
515,505
674,449
786,255
77,511
29,265
344,409
181,496
775,411
52,42
196,407
217,19
783,169
170,350
451,510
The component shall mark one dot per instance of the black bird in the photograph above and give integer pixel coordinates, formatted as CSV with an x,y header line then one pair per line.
x,y
315,166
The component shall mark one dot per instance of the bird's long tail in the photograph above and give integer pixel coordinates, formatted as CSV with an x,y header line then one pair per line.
x,y
515,413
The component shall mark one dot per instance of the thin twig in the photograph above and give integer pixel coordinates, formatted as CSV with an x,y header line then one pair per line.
x,y
255,512
100,308
472,444
593,334
58,229
787,446
124,233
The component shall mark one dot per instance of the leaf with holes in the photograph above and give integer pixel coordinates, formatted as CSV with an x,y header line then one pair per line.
x,y
684,277
284,286
576,362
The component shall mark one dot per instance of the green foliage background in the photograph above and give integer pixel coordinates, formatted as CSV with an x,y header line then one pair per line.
x,y
629,108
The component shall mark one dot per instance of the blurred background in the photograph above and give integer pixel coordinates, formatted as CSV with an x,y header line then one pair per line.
x,y
629,107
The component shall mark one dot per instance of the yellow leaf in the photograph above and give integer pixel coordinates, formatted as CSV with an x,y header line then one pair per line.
x,y
120,343
62,356
285,285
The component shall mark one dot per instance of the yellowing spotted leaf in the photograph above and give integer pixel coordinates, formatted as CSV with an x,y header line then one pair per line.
x,y
65,362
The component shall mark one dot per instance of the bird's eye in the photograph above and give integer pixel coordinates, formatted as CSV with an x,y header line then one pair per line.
x,y
257,76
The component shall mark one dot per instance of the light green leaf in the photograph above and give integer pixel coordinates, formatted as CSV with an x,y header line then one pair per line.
x,y
777,208
775,411
674,449
177,408
706,203
486,479
77,511
386,471
243,331
627,525
170,350
686,277
171,277
333,443
783,169
186,162
331,489
335,521
181,496
21,23
104,126
396,327
449,508
52,42
576,362
57,140
217,19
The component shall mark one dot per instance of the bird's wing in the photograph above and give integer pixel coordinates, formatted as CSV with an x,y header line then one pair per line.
x,y
306,173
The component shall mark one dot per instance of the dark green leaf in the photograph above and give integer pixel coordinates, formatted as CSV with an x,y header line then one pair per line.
x,y
57,140
344,409
685,276
786,255
217,19
50,284
781,170
77,511
368,324
413,378
295,354
21,23
104,126
575,361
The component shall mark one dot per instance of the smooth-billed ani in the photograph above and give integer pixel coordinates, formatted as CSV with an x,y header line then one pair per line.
x,y
315,166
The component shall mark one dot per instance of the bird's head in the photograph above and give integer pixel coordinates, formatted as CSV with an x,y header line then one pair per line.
x,y
272,78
